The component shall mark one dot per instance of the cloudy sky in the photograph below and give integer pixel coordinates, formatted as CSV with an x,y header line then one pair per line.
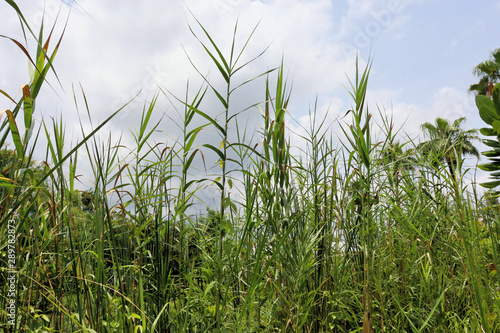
x,y
423,54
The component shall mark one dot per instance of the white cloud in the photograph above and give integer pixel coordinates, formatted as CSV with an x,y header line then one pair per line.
x,y
449,102
367,20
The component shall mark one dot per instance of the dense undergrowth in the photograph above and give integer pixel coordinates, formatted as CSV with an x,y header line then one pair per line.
x,y
368,236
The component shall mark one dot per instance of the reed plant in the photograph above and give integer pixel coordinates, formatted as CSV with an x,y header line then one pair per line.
x,y
366,235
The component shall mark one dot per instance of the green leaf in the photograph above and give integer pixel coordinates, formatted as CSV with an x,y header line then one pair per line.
x,y
494,166
496,126
491,184
487,131
496,98
218,151
227,71
15,135
28,107
486,109
39,67
190,138
495,174
190,160
221,99
228,247
213,121
21,47
7,95
491,153
209,287
219,185
432,310
135,315
491,143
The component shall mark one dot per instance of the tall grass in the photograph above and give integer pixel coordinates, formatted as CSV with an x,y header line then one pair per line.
x,y
369,235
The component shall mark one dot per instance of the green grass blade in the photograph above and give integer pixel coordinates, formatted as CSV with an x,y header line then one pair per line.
x,y
15,135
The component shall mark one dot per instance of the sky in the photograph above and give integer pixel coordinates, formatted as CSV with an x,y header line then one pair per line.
x,y
422,55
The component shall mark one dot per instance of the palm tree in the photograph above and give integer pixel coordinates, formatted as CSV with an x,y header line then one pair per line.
x,y
448,142
488,73
397,160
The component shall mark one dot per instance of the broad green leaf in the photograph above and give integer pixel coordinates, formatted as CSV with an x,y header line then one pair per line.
x,y
491,184
491,143
493,166
486,109
495,96
496,126
226,202
135,315
487,131
491,153
219,185
495,174
209,287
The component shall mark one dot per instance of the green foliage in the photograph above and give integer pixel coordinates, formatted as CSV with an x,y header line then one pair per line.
x,y
368,236
447,143
488,73
489,110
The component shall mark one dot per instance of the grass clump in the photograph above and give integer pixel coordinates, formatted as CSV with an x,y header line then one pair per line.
x,y
365,236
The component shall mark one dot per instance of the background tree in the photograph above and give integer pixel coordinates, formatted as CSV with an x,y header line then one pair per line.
x,y
448,142
488,73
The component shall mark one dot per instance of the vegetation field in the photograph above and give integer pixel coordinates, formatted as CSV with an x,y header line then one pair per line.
x,y
368,235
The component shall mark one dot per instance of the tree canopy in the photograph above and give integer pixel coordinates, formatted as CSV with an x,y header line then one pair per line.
x,y
448,142
488,73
